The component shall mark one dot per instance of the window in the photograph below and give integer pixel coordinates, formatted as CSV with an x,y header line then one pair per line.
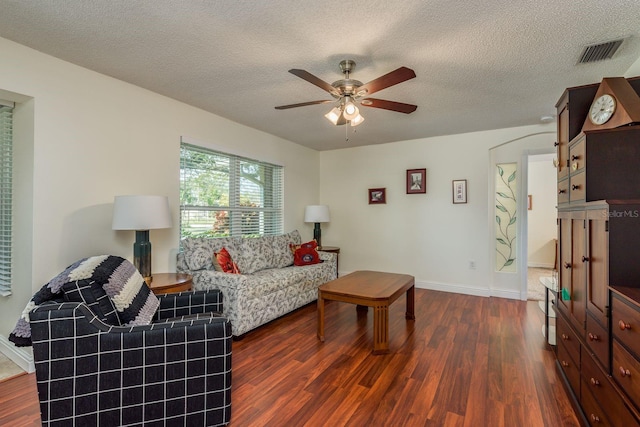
x,y
6,197
225,195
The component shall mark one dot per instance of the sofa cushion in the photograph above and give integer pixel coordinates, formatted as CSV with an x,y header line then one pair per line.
x,y
254,254
250,254
260,253
198,251
283,255
198,258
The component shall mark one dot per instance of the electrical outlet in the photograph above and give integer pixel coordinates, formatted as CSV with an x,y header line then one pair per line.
x,y
472,265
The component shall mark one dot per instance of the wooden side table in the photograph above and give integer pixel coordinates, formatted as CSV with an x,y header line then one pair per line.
x,y
165,283
334,250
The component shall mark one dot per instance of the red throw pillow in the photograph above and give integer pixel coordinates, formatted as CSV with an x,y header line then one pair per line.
x,y
226,263
294,248
306,253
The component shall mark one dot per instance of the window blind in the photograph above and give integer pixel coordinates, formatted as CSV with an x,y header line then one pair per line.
x,y
225,195
6,197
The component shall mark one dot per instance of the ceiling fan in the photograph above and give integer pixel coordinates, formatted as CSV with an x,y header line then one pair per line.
x,y
348,92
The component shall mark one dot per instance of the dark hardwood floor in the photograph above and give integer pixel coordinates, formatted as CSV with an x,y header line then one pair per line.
x,y
464,361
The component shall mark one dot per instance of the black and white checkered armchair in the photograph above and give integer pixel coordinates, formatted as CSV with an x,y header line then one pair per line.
x,y
172,371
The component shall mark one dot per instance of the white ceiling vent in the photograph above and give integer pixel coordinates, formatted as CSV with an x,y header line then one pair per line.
x,y
599,52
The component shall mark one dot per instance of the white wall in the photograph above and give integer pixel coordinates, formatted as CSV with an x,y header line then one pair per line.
x,y
425,235
95,137
634,70
542,217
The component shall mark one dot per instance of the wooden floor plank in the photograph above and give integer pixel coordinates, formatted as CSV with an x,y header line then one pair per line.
x,y
465,361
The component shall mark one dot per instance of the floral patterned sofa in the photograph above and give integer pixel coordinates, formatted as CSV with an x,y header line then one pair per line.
x,y
268,286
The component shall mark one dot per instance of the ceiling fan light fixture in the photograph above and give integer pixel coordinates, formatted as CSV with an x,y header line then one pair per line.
x,y
333,115
356,120
347,90
350,110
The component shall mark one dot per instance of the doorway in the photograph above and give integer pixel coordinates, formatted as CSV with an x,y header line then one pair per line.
x,y
541,222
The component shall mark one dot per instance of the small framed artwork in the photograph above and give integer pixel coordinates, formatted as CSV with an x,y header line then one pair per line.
x,y
416,181
377,196
459,191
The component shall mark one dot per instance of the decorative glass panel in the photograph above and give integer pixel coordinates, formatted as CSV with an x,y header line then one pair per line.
x,y
506,223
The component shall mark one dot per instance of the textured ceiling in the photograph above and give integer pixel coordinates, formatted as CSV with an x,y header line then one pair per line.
x,y
480,64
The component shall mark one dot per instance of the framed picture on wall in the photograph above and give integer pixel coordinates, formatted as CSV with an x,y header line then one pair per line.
x,y
377,196
459,191
416,181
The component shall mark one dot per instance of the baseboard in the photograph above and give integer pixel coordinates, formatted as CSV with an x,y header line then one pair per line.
x,y
462,289
456,289
508,294
539,265
18,355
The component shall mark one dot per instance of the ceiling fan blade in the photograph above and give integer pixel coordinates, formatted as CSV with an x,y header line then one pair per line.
x,y
393,78
400,107
303,104
305,75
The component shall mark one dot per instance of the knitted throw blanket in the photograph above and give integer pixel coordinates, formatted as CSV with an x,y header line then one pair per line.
x,y
111,287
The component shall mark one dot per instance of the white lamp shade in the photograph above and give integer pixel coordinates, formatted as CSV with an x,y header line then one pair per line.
x,y
141,213
351,111
333,115
316,213
356,120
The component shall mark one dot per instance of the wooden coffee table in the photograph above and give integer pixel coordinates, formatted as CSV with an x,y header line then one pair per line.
x,y
369,289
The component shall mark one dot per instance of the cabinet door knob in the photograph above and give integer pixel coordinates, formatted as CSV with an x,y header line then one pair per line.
x,y
562,191
565,337
585,259
624,325
624,372
594,418
567,265
593,337
595,382
575,187
574,157
555,144
565,364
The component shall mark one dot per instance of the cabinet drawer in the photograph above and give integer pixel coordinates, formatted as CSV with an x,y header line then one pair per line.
x,y
565,335
577,156
604,393
570,368
563,191
626,324
626,371
577,187
598,341
592,410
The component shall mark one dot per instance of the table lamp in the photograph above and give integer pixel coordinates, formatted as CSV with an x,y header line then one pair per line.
x,y
316,214
141,213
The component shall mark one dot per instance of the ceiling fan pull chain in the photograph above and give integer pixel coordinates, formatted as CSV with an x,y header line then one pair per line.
x,y
346,132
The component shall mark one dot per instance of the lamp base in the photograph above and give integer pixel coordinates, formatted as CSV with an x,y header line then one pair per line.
x,y
317,234
142,254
